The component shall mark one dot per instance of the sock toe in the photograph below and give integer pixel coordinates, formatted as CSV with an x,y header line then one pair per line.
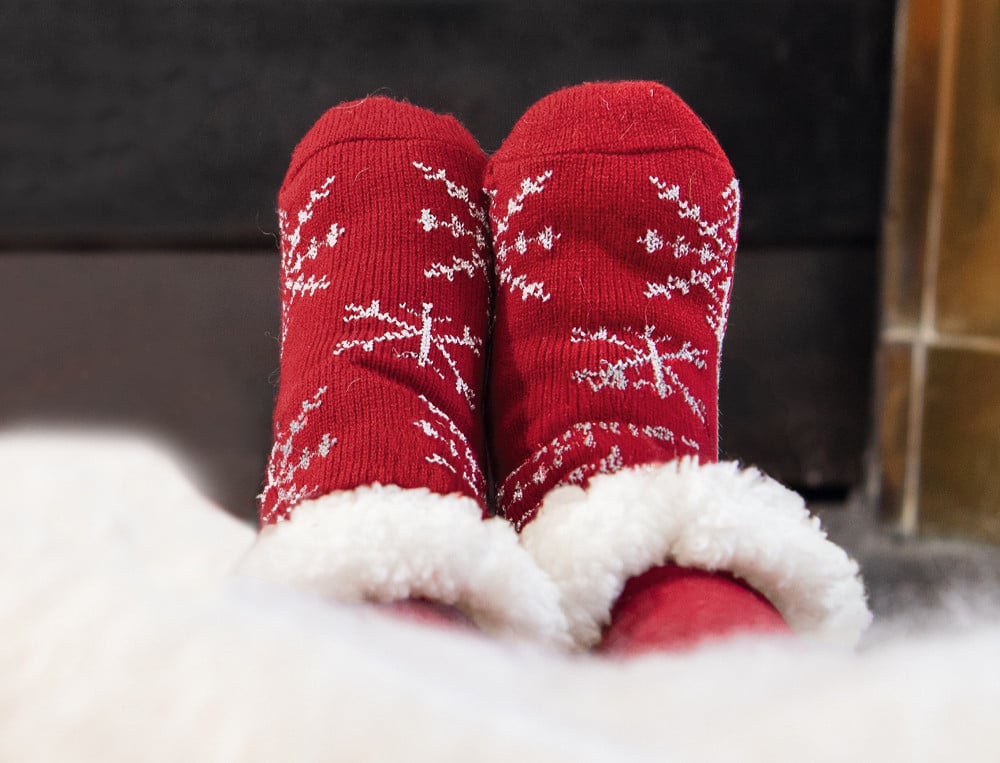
x,y
379,118
612,117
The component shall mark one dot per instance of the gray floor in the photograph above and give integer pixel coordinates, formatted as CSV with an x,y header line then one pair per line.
x,y
916,583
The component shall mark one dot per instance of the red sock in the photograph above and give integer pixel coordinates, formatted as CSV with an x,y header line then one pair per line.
x,y
614,214
675,608
384,297
614,217
375,485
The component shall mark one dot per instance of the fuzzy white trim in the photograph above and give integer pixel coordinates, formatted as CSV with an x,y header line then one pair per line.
x,y
711,517
386,543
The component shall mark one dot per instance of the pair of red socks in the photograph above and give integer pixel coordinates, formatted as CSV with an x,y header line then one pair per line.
x,y
536,336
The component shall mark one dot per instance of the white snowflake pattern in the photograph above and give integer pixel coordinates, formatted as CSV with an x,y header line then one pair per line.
x,y
611,463
645,365
295,253
506,243
457,456
285,462
476,229
433,347
712,252
690,444
554,455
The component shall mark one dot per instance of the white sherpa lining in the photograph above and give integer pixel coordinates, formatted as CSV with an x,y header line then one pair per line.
x,y
386,543
713,517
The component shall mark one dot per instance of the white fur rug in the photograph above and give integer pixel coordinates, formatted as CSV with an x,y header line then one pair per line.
x,y
124,638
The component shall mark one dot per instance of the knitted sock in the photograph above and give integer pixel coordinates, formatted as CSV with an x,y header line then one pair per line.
x,y
676,608
375,486
614,214
384,297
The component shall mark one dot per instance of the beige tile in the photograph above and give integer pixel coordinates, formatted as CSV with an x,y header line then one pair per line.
x,y
968,289
911,151
893,411
960,459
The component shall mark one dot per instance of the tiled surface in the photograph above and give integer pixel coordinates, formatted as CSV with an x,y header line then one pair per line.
x,y
968,289
939,380
960,458
911,150
894,375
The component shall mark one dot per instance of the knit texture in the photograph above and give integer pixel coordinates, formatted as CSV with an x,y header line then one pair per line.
x,y
614,217
384,308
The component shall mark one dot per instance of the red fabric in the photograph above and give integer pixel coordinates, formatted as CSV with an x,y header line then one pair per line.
x,y
427,612
384,292
614,215
674,608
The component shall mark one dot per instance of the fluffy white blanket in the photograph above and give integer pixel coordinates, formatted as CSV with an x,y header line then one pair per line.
x,y
124,637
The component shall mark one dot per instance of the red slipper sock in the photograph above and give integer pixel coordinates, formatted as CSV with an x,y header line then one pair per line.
x,y
375,487
427,612
672,608
384,297
614,217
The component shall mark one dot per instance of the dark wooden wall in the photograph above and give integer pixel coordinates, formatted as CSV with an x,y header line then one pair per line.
x,y
141,143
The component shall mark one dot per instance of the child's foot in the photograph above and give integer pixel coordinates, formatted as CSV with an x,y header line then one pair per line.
x,y
614,218
375,485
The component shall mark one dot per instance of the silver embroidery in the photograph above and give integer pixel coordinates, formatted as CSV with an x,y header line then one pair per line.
x,y
285,461
507,243
433,347
295,254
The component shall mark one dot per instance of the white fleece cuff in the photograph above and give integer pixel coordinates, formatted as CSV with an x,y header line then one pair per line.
x,y
386,543
712,517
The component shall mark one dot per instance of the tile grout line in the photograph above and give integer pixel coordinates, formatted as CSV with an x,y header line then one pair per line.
x,y
911,335
925,333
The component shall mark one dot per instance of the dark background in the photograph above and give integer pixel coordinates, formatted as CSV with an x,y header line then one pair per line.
x,y
142,143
